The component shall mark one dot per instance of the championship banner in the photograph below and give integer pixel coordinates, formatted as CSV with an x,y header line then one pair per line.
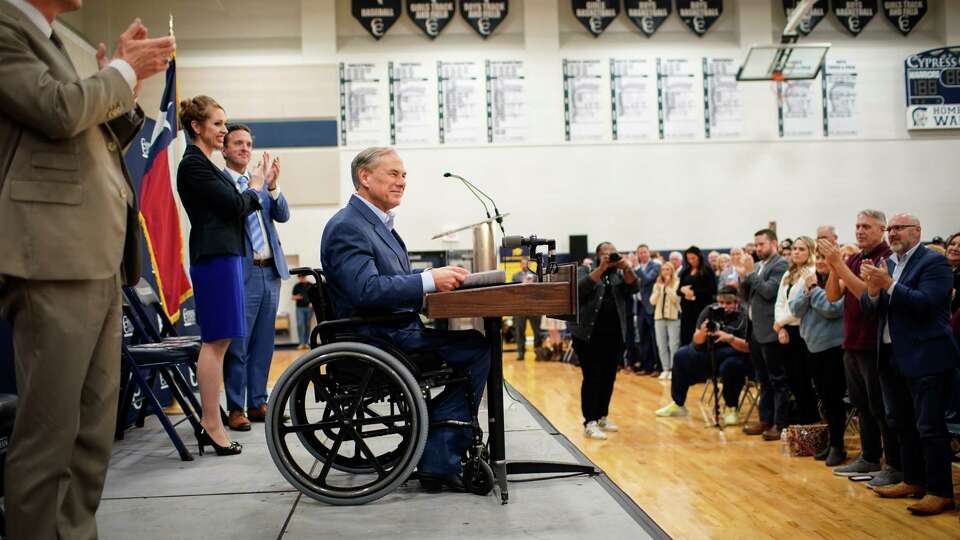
x,y
854,14
376,16
808,23
904,14
699,15
431,16
484,16
933,89
159,216
595,15
647,15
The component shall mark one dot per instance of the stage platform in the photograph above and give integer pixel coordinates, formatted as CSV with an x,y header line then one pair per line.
x,y
151,494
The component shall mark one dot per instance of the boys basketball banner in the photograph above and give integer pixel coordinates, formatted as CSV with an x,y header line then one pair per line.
x,y
854,14
808,23
647,15
431,17
699,15
596,15
376,16
485,16
904,14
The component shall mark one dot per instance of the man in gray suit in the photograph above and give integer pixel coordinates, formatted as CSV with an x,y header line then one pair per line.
x,y
69,219
759,284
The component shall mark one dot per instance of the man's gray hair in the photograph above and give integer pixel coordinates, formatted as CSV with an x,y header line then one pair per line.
x,y
367,159
831,228
875,214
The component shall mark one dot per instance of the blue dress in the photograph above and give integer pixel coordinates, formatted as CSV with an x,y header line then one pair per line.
x,y
219,297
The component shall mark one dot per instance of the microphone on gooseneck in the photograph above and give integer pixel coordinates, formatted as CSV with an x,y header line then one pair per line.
x,y
470,188
476,190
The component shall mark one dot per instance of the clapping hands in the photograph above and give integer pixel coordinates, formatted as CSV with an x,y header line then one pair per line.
x,y
876,277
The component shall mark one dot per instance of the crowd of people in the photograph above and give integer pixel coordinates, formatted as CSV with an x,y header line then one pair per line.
x,y
812,321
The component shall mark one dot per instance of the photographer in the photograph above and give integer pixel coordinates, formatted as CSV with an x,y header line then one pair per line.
x,y
599,337
725,324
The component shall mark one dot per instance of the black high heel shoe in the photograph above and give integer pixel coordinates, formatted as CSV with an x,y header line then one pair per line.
x,y
204,439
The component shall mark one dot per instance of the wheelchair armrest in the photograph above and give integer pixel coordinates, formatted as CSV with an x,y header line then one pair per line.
x,y
307,271
389,318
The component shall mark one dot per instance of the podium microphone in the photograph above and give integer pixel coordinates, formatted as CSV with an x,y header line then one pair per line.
x,y
470,188
475,190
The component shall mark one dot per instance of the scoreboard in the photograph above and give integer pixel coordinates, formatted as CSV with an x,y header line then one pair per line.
x,y
933,89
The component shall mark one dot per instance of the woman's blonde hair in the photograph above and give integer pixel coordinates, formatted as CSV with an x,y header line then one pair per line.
x,y
674,280
796,270
196,108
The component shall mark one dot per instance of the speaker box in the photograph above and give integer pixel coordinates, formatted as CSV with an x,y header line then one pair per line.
x,y
578,247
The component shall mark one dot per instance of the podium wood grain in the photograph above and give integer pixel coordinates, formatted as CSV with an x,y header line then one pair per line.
x,y
502,300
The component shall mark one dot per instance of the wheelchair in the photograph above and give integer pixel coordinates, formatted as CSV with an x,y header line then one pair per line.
x,y
347,422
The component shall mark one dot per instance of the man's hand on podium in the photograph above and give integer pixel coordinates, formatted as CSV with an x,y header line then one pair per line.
x,y
449,278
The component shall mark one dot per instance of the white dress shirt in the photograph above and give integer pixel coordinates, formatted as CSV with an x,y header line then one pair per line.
x,y
266,253
900,264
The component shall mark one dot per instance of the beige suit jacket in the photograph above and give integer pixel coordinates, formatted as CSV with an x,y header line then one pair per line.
x,y
67,208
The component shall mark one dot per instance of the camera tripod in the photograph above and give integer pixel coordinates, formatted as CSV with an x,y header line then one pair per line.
x,y
712,358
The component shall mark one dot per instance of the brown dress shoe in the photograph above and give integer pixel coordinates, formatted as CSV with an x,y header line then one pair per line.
x,y
756,429
899,491
772,434
238,422
258,414
931,505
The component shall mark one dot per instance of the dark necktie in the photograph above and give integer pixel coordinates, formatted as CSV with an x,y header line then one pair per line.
x,y
58,43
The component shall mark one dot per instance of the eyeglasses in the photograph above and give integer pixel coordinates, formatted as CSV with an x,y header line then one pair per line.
x,y
898,228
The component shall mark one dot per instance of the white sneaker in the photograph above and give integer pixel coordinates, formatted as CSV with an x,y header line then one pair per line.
x,y
664,375
593,431
731,418
607,425
670,375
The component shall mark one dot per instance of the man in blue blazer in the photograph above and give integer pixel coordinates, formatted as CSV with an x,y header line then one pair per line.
x,y
368,271
247,362
647,271
917,358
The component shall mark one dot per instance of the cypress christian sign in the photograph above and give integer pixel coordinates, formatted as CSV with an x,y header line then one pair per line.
x,y
854,14
699,15
432,16
904,14
647,15
484,16
376,16
596,15
808,23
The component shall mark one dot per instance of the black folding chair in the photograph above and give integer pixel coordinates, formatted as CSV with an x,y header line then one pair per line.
x,y
156,356
8,410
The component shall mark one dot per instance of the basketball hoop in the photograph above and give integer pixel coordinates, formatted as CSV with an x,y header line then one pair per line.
x,y
777,76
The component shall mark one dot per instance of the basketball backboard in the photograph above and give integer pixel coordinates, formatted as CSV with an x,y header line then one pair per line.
x,y
783,62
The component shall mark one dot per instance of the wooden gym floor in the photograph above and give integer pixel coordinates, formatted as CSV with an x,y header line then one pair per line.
x,y
700,482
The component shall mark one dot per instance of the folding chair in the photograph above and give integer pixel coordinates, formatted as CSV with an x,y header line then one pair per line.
x,y
751,393
158,357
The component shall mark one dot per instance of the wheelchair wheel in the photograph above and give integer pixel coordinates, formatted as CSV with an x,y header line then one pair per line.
x,y
357,428
319,443
478,477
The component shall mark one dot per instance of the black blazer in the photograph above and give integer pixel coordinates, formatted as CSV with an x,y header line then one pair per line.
x,y
215,208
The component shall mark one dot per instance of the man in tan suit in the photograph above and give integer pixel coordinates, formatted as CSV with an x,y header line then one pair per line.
x,y
68,217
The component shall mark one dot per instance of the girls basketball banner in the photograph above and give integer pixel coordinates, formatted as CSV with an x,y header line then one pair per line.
x,y
647,15
808,23
596,15
699,15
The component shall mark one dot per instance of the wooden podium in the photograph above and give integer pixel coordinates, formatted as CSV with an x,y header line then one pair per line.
x,y
556,297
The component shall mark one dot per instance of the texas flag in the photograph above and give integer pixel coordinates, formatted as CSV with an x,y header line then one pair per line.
x,y
159,216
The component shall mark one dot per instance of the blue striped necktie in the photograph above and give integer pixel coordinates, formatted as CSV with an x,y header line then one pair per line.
x,y
254,232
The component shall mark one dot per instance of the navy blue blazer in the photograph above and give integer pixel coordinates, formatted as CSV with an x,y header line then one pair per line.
x,y
366,265
648,278
273,211
919,316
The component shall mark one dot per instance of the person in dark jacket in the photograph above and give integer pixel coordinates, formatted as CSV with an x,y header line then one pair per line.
x,y
600,335
217,212
698,286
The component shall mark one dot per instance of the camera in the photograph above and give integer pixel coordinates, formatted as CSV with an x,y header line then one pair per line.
x,y
614,257
715,318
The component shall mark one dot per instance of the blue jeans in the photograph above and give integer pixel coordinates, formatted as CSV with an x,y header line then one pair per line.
x,y
303,324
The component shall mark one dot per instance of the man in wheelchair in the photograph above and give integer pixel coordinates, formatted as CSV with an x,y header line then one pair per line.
x,y
368,273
